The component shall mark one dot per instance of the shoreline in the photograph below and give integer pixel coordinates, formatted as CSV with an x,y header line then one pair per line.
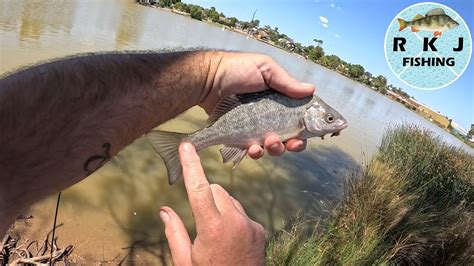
x,y
243,33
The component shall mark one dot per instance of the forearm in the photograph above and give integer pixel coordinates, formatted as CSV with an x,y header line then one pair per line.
x,y
63,120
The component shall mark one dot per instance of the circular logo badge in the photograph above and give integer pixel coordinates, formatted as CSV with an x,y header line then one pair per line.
x,y
428,46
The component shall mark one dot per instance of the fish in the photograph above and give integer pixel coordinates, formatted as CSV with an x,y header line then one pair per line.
x,y
435,20
239,121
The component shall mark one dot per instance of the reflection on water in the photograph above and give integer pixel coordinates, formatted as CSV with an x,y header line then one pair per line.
x,y
112,215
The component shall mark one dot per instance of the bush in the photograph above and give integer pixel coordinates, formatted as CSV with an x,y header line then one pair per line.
x,y
197,14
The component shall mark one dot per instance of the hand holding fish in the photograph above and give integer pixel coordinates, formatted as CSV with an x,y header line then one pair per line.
x,y
240,73
225,234
252,103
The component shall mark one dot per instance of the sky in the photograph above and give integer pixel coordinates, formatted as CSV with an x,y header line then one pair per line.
x,y
355,31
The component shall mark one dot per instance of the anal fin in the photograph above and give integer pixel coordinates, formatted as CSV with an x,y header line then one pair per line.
x,y
415,29
232,154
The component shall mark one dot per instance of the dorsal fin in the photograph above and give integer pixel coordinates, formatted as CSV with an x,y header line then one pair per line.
x,y
227,103
417,17
255,96
435,11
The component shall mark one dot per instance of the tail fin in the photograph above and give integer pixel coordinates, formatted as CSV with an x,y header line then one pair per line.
x,y
166,145
403,24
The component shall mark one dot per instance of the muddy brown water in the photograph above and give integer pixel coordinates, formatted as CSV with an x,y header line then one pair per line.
x,y
112,215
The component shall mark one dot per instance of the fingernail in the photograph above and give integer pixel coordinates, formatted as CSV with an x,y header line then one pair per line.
x,y
300,145
306,84
187,147
274,147
164,216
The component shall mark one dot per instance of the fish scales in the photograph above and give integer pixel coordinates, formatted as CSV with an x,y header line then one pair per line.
x,y
249,123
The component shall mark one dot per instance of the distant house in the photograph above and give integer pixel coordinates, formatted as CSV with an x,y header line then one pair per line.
x,y
408,102
433,116
148,2
287,43
459,129
262,35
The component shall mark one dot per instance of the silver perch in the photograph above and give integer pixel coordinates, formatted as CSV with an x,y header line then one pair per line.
x,y
239,121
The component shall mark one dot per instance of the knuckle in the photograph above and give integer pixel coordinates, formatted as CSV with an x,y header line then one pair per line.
x,y
267,58
214,231
259,232
241,225
216,187
199,185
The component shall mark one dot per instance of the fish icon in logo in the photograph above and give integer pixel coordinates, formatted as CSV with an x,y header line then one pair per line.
x,y
435,20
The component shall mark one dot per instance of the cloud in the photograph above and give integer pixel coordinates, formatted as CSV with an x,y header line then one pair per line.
x,y
337,35
332,5
323,20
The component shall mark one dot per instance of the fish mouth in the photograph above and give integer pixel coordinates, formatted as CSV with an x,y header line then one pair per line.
x,y
337,133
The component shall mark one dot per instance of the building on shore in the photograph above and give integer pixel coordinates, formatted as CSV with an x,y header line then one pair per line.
x,y
433,116
459,129
148,2
408,102
421,109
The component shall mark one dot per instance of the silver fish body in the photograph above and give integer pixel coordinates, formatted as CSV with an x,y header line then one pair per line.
x,y
241,121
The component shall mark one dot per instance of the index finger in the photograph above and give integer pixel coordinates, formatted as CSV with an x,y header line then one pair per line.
x,y
199,191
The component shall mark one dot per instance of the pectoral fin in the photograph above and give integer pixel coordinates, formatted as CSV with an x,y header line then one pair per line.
x,y
233,154
437,33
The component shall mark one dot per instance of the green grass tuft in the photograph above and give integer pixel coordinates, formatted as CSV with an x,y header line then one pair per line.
x,y
412,204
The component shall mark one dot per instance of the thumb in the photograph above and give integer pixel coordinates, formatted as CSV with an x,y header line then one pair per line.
x,y
278,79
178,238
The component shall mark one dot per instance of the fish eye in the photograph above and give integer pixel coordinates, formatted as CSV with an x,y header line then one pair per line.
x,y
329,118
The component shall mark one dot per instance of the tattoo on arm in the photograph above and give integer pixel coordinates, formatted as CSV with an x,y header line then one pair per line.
x,y
97,161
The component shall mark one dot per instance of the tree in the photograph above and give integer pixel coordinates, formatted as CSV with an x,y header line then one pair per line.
x,y
380,82
316,53
233,21
331,61
318,41
180,6
245,25
356,71
196,13
168,3
254,23
213,15
298,48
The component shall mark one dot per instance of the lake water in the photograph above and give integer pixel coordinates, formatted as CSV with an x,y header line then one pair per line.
x,y
113,215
